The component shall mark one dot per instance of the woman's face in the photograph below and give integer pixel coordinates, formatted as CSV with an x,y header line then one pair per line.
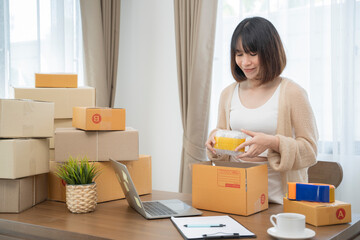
x,y
247,62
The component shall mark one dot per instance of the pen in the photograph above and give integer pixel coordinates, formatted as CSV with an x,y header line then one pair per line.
x,y
203,225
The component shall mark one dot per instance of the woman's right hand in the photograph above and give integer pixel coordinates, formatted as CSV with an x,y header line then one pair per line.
x,y
210,143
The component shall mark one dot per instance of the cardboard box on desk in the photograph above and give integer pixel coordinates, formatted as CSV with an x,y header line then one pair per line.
x,y
26,118
108,187
60,123
17,195
96,145
53,80
99,118
64,98
23,157
228,187
319,213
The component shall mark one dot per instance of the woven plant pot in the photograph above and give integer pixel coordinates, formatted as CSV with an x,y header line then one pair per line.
x,y
81,198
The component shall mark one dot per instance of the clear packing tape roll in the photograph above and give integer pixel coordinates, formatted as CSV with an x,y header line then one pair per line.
x,y
226,141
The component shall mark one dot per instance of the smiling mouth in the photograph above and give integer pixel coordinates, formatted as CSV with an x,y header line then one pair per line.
x,y
248,70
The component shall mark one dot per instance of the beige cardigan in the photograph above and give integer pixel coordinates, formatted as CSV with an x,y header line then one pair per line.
x,y
296,129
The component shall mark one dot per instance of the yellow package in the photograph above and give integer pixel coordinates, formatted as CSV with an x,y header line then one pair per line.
x,y
227,141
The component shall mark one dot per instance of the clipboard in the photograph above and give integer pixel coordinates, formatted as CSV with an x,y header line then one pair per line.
x,y
224,227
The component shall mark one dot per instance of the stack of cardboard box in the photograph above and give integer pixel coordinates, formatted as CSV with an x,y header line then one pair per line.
x,y
100,134
25,127
49,113
62,91
317,202
90,141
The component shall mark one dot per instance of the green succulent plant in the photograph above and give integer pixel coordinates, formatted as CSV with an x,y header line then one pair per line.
x,y
77,171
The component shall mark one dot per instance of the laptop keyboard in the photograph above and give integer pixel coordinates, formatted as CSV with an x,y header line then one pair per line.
x,y
157,209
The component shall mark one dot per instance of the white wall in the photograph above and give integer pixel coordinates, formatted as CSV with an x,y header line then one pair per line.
x,y
147,85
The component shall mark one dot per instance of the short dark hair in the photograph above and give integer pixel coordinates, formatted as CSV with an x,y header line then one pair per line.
x,y
259,35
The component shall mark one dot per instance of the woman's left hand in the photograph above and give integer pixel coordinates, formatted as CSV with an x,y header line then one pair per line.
x,y
257,144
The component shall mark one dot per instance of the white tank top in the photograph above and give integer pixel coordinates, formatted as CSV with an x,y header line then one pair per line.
x,y
261,119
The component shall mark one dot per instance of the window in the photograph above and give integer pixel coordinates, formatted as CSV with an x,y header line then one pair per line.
x,y
38,36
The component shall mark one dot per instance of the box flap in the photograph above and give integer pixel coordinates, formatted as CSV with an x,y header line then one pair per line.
x,y
234,164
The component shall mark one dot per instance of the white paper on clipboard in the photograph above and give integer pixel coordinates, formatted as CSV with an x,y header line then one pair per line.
x,y
232,228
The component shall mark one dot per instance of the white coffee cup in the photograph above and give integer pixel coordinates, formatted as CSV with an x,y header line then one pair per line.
x,y
288,223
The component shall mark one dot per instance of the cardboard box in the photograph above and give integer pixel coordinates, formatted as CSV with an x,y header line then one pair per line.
x,y
97,146
17,195
64,98
26,118
320,214
59,123
23,157
53,80
229,187
99,118
108,187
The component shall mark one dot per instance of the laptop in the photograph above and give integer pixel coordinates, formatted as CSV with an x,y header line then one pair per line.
x,y
150,209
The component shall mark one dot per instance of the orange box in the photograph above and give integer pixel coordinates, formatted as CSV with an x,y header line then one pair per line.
x,y
44,80
229,187
108,187
88,118
320,213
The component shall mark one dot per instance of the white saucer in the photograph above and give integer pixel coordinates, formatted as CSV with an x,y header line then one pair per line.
x,y
308,233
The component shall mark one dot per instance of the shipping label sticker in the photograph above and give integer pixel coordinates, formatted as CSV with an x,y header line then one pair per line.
x,y
96,118
228,178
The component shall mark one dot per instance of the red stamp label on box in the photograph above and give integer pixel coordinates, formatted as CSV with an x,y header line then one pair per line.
x,y
340,214
96,118
262,199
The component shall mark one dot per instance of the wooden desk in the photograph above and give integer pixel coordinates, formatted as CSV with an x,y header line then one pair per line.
x,y
116,220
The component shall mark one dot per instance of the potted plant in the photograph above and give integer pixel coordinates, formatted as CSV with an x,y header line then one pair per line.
x,y
79,176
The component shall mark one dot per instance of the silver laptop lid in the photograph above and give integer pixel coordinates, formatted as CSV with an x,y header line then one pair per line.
x,y
128,187
168,208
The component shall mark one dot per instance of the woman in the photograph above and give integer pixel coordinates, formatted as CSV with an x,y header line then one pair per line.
x,y
272,110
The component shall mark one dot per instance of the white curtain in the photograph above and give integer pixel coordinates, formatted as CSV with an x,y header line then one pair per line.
x,y
100,26
38,36
194,30
321,40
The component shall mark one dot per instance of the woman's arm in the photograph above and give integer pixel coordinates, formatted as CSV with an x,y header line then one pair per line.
x,y
298,134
